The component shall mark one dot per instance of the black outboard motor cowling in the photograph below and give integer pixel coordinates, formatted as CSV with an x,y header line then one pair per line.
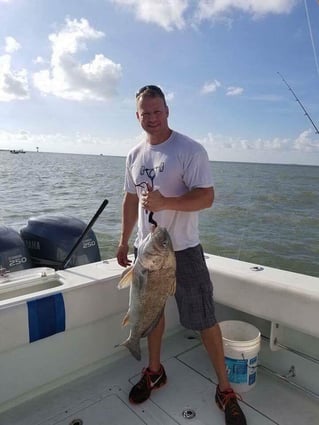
x,y
14,255
50,239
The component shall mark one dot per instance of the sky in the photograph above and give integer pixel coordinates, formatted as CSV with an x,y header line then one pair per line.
x,y
69,70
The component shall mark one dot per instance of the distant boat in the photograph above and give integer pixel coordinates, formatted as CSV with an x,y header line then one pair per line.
x,y
17,151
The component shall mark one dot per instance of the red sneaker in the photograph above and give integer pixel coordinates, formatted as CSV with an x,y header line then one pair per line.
x,y
148,382
227,401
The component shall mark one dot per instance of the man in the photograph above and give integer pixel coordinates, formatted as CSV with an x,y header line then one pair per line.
x,y
167,181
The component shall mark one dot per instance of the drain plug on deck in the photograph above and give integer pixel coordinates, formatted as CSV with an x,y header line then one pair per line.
x,y
189,414
76,422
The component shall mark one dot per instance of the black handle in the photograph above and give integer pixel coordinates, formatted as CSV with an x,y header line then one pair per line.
x,y
85,231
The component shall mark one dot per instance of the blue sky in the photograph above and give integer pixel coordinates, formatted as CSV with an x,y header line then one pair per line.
x,y
69,70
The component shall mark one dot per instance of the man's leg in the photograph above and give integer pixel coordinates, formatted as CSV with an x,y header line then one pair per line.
x,y
225,397
154,340
212,340
154,375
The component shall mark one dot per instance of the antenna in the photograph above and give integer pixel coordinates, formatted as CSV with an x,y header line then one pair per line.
x,y
301,105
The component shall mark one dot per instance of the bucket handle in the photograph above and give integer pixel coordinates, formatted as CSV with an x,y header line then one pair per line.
x,y
250,367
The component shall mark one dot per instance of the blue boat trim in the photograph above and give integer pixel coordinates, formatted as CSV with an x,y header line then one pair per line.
x,y
46,317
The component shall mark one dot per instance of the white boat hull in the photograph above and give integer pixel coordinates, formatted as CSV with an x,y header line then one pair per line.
x,y
283,305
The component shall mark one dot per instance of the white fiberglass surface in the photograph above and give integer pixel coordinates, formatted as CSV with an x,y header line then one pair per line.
x,y
102,396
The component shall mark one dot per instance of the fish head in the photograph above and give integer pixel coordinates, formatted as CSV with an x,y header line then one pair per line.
x,y
154,249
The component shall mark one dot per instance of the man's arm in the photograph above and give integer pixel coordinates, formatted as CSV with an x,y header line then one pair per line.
x,y
129,218
195,200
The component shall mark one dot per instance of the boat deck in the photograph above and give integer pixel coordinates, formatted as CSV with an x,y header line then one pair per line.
x,y
101,397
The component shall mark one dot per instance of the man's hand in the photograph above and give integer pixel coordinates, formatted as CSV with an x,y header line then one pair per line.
x,y
121,256
153,201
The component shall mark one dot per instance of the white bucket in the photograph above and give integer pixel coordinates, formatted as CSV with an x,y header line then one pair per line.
x,y
241,343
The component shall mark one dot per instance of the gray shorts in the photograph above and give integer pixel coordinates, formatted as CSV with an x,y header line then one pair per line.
x,y
194,290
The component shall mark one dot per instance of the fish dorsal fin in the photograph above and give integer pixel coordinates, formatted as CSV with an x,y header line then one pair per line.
x,y
126,279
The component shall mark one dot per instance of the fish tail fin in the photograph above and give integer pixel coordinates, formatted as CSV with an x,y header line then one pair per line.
x,y
134,347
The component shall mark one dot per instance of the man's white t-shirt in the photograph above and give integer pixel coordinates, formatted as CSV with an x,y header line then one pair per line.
x,y
173,167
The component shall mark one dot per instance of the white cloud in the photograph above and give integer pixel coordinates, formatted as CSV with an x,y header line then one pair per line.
x,y
208,9
13,84
210,87
305,142
70,79
171,14
11,45
234,91
165,13
39,60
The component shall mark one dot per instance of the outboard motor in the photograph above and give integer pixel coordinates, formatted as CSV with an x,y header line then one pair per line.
x,y
50,239
14,255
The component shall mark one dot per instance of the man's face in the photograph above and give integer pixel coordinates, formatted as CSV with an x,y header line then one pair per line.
x,y
152,114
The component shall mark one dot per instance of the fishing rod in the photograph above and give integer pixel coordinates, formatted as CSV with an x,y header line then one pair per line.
x,y
84,233
301,105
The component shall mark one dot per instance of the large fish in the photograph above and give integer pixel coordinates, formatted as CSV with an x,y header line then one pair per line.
x,y
152,279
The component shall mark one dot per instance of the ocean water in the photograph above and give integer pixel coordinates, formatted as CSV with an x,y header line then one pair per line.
x,y
265,214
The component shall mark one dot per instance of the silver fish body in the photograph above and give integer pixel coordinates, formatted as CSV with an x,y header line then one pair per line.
x,y
153,280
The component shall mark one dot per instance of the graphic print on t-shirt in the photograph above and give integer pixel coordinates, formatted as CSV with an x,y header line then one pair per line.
x,y
151,173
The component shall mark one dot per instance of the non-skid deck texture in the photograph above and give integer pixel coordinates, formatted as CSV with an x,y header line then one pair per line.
x,y
101,398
